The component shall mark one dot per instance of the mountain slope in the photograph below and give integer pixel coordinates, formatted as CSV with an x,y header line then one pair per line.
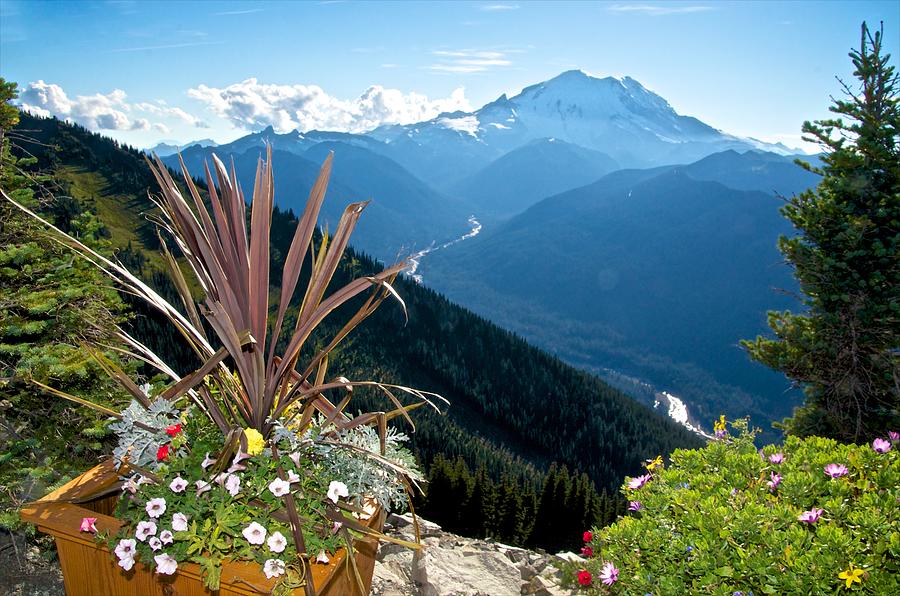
x,y
530,173
649,272
617,116
514,408
404,214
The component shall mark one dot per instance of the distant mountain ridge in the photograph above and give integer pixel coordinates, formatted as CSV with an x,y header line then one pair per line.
x,y
656,273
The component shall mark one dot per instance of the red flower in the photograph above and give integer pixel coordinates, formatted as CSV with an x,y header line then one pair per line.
x,y
173,430
588,536
584,577
587,551
162,453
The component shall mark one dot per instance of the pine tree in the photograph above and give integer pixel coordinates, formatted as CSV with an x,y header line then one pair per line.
x,y
843,350
51,304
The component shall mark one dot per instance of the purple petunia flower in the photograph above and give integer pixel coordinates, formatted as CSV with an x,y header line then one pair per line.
x,y
881,446
774,481
836,470
776,458
635,506
894,436
811,516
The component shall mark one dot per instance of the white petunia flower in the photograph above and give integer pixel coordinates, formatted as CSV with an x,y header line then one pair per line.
x,y
127,563
202,487
126,548
336,490
255,533
179,522
233,484
322,557
293,477
154,543
280,487
156,507
207,461
178,484
144,530
277,542
273,568
165,564
166,537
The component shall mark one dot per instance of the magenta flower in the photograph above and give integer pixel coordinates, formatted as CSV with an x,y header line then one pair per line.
x,y
609,574
635,505
894,436
811,516
636,483
87,525
774,481
776,458
881,446
836,470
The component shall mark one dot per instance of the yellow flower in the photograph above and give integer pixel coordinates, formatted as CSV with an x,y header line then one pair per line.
x,y
720,425
255,441
851,575
653,463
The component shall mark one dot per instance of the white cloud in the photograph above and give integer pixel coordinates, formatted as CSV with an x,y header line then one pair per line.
x,y
176,113
95,112
161,128
657,10
498,7
253,105
469,61
110,111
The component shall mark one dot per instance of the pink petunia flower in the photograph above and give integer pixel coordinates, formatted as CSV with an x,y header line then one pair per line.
x,y
609,574
776,458
811,516
893,436
775,480
836,470
881,446
87,525
635,505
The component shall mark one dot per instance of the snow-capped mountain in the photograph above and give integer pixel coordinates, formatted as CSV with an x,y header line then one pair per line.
x,y
166,148
617,116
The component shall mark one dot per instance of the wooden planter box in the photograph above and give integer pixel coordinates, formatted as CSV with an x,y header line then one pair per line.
x,y
89,569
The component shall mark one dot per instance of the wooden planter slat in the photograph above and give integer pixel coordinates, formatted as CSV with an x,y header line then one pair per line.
x,y
89,569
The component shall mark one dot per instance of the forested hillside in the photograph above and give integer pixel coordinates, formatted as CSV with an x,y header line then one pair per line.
x,y
514,409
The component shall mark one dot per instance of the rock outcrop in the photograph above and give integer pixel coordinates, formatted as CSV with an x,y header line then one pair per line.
x,y
450,565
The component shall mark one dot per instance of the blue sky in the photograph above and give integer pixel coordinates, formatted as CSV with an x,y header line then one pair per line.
x,y
145,71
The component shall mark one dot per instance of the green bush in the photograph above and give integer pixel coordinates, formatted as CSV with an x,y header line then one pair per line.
x,y
716,521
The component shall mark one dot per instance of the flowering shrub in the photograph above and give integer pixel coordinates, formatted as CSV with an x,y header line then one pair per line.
x,y
810,517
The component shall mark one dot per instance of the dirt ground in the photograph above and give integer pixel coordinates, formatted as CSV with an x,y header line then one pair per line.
x,y
26,570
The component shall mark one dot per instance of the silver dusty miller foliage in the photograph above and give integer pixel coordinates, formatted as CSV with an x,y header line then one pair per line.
x,y
366,475
138,444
